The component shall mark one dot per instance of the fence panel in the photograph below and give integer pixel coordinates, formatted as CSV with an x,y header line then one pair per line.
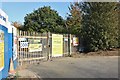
x,y
32,47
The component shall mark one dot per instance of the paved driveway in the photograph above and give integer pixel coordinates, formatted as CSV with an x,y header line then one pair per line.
x,y
91,67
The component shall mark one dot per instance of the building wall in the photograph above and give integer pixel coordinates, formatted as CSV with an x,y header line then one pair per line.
x,y
7,29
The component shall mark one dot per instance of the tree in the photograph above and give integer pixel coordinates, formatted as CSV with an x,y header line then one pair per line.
x,y
18,25
73,21
118,9
99,25
44,19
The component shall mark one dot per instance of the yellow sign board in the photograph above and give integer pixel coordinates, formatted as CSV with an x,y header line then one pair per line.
x,y
35,46
57,45
1,50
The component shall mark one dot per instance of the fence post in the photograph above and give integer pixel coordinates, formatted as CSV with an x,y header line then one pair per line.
x,y
48,45
69,45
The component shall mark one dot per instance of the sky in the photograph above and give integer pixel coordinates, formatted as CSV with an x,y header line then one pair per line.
x,y
16,11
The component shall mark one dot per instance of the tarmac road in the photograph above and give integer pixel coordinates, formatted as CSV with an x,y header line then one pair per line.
x,y
91,67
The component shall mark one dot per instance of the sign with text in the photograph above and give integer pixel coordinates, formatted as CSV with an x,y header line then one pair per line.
x,y
3,18
75,41
35,45
57,45
1,50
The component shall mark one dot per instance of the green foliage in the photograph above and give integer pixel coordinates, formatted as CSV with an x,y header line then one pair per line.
x,y
118,9
43,20
99,25
73,21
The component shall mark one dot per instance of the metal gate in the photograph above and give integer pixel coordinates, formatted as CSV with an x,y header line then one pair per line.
x,y
32,47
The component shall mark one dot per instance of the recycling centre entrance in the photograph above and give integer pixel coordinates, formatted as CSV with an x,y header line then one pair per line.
x,y
33,47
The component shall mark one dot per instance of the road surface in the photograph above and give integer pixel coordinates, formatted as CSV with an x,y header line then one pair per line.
x,y
91,67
